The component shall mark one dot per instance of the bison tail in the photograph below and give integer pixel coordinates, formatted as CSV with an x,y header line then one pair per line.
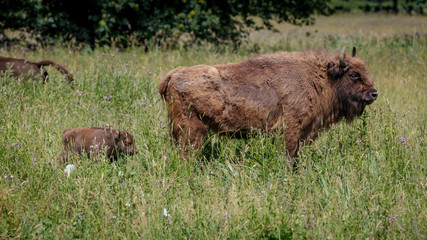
x,y
163,85
60,68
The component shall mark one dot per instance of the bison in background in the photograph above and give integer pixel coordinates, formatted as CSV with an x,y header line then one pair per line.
x,y
298,93
27,69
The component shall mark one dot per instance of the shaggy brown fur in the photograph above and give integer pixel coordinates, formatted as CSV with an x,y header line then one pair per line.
x,y
27,69
294,92
91,141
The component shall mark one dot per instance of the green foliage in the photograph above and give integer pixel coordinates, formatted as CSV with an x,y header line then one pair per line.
x,y
148,22
417,6
359,180
395,6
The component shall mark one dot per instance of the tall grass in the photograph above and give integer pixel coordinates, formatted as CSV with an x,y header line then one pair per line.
x,y
366,179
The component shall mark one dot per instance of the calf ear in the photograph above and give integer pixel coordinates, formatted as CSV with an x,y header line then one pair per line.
x,y
116,135
124,134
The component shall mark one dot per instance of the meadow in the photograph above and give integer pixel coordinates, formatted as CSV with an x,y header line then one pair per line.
x,y
361,180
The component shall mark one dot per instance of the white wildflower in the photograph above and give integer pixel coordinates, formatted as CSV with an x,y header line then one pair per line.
x,y
165,213
69,168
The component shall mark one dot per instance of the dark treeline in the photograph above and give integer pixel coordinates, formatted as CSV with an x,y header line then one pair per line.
x,y
375,6
148,22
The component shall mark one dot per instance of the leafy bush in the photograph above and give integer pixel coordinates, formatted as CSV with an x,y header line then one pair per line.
x,y
150,22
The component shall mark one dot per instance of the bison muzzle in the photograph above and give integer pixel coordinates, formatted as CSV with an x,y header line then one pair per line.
x,y
296,93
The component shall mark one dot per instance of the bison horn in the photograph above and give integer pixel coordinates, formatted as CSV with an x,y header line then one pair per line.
x,y
353,54
343,64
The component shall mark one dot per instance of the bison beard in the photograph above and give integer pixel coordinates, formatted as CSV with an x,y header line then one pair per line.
x,y
27,69
294,92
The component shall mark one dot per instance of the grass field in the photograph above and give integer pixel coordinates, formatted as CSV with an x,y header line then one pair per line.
x,y
366,179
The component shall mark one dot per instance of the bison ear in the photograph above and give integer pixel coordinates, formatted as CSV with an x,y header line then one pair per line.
x,y
334,71
353,54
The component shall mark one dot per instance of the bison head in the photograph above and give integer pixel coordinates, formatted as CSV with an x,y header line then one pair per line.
x,y
124,142
353,83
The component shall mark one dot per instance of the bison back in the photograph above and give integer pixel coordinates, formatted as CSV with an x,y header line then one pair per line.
x,y
229,96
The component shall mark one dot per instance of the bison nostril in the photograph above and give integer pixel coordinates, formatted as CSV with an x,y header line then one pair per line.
x,y
374,95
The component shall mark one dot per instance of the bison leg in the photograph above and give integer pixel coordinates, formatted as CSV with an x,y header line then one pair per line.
x,y
189,131
292,152
65,154
292,145
63,157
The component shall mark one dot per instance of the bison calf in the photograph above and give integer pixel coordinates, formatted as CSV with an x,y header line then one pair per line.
x,y
27,69
91,140
294,92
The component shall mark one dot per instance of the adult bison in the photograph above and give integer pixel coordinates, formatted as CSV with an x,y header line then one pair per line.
x,y
294,92
27,69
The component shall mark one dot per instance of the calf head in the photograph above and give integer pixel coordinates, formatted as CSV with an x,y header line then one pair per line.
x,y
124,142
354,85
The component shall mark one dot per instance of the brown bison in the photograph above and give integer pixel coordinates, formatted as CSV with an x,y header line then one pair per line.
x,y
27,69
298,93
91,141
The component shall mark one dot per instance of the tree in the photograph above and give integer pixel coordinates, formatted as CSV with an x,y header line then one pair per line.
x,y
395,9
152,22
415,5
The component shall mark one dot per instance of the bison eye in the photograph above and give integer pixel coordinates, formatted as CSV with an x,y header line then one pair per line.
x,y
355,76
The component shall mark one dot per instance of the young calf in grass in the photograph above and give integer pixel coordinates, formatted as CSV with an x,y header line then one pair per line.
x,y
27,69
91,140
